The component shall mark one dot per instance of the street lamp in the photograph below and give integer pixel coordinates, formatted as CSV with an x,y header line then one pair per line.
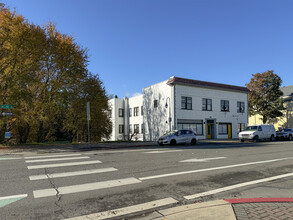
x,y
169,118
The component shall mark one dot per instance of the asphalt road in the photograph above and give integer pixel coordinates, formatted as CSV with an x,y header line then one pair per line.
x,y
32,188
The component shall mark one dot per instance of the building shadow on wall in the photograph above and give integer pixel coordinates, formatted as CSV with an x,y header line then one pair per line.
x,y
155,115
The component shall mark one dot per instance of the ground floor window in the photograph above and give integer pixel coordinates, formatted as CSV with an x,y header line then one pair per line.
x,y
240,127
223,128
121,129
130,129
196,127
136,128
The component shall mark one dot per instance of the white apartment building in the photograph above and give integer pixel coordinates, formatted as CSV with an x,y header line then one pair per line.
x,y
212,110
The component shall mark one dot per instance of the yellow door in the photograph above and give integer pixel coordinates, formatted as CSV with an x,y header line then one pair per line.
x,y
229,131
209,131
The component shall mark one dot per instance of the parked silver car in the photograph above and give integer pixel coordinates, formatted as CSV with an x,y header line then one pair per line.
x,y
178,137
286,133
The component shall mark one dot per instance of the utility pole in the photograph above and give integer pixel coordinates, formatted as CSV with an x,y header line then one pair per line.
x,y
88,110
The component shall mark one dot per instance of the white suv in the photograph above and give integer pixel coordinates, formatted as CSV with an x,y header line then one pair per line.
x,y
178,137
258,132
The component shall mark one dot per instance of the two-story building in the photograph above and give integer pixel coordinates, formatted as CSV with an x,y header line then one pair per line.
x,y
212,110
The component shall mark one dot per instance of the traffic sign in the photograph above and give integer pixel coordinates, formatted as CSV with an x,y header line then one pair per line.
x,y
7,135
6,113
7,106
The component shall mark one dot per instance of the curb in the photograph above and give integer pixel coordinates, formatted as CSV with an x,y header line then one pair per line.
x,y
256,200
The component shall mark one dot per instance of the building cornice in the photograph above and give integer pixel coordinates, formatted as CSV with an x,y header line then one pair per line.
x,y
203,84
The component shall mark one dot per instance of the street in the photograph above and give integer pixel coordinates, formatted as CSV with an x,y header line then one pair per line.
x,y
70,184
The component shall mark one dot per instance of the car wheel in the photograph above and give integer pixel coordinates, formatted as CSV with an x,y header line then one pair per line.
x,y
272,138
290,137
173,142
193,141
242,140
256,138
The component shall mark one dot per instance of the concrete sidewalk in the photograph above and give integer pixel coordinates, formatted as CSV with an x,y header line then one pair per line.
x,y
230,209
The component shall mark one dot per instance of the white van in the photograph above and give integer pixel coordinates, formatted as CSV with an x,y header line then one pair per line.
x,y
258,132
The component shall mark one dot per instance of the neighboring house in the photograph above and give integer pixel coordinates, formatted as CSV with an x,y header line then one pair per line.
x,y
212,110
281,122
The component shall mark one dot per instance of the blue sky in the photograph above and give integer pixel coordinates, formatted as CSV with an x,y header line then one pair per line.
x,y
135,43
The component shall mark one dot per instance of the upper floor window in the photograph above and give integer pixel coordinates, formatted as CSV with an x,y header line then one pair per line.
x,y
136,111
240,107
141,110
186,102
130,112
121,112
224,105
155,103
206,104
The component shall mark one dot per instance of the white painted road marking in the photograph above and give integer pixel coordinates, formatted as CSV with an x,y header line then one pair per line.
x,y
127,210
214,168
85,187
74,173
50,156
211,192
56,159
10,158
13,197
63,164
202,160
161,152
10,199
111,152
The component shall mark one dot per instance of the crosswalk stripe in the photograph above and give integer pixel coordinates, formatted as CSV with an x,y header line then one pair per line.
x,y
161,152
84,187
127,210
74,173
51,156
63,164
227,188
56,159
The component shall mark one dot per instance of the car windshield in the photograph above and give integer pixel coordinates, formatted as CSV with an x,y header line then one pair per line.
x,y
251,128
285,130
170,132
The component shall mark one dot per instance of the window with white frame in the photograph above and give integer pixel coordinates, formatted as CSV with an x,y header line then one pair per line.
x,y
196,127
130,112
207,104
186,103
136,111
240,127
130,129
121,129
141,110
155,103
136,128
121,112
224,105
240,107
223,128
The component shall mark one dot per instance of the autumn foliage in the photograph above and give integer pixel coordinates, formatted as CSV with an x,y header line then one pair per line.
x,y
264,98
44,75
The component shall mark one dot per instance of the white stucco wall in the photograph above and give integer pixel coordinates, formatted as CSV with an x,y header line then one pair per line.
x,y
115,104
155,118
136,101
216,95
